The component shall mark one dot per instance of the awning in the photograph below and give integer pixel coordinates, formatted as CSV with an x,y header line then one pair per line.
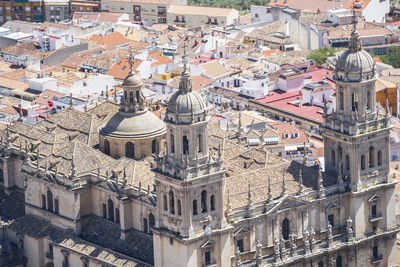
x,y
271,139
290,148
253,141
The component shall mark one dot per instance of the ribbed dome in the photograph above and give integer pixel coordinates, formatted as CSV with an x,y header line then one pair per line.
x,y
186,103
133,126
132,81
355,66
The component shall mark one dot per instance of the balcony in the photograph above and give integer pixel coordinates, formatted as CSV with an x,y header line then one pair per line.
x,y
376,217
377,259
180,21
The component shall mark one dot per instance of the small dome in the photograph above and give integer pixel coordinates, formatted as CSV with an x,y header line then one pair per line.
x,y
355,66
186,103
132,81
134,126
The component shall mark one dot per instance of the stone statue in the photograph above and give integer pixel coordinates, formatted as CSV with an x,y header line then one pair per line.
x,y
312,239
349,229
292,242
306,237
276,250
329,236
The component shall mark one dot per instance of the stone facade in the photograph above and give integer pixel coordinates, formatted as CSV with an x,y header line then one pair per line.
x,y
207,199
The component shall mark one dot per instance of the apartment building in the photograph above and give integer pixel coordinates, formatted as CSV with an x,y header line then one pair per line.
x,y
56,10
25,10
154,11
197,16
85,6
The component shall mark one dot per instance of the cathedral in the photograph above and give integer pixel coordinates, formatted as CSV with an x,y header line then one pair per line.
x,y
117,186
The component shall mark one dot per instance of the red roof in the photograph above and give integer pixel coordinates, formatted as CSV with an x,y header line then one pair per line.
x,y
202,59
199,81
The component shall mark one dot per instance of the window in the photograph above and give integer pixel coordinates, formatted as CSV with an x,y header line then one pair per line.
x,y
239,244
212,202
203,201
65,261
50,250
362,162
185,146
106,147
117,215
130,150
145,227
49,200
171,202
179,207
373,211
320,264
154,146
347,163
172,143
43,202
331,219
195,207
333,158
104,210
285,229
354,101
379,158
375,252
165,202
207,258
110,204
200,143
339,261
256,15
152,221
341,100
56,206
371,157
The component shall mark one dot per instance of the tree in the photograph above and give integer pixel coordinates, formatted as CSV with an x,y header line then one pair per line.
x,y
393,58
319,56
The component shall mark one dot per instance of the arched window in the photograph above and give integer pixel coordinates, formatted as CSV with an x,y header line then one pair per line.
x,y
179,207
49,200
203,201
339,261
152,221
172,143
171,202
195,207
285,229
130,97
165,201
371,156
212,202
362,162
320,264
333,158
340,152
200,143
130,150
375,254
154,146
106,147
354,101
347,162
110,205
185,145
341,100
379,158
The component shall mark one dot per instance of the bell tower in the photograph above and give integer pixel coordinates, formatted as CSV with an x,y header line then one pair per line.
x,y
356,135
356,147
191,229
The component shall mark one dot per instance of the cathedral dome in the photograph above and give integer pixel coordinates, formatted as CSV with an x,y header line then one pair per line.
x,y
132,81
354,64
186,101
133,126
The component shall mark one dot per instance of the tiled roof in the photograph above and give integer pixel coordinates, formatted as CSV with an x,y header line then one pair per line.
x,y
121,68
310,4
74,61
47,96
289,128
200,11
364,28
24,49
112,39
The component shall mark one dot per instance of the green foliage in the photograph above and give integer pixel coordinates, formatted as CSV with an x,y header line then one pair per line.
x,y
240,5
393,58
319,56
